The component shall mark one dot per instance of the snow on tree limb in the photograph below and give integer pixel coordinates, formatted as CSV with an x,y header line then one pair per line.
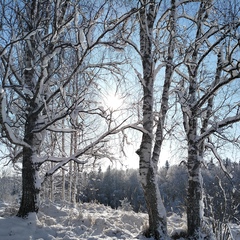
x,y
61,130
131,43
6,125
112,27
139,75
217,126
218,157
61,161
234,74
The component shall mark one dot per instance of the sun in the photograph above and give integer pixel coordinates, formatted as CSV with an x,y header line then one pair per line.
x,y
113,101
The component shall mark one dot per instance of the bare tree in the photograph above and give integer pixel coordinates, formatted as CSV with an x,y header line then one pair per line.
x,y
47,46
210,69
158,37
152,29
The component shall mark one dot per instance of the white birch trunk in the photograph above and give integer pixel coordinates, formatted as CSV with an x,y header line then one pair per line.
x,y
51,186
148,164
63,185
70,182
195,205
63,171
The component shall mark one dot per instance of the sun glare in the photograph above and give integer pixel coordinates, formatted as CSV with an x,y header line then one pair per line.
x,y
113,102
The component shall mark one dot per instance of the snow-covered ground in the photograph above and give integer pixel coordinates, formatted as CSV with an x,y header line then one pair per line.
x,y
85,221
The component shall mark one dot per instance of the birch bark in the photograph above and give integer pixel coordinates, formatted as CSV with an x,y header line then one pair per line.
x,y
151,143
30,181
200,116
194,193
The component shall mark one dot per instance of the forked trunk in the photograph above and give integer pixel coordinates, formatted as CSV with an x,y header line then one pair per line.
x,y
148,178
156,211
148,162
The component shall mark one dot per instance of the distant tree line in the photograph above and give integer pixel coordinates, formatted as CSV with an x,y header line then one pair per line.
x,y
115,187
121,189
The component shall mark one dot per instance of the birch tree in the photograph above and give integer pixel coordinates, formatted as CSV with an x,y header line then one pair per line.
x,y
157,41
210,71
150,148
46,46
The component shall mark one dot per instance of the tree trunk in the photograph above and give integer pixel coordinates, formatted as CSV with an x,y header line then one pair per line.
x,y
74,183
75,168
63,185
155,207
30,191
63,171
30,178
194,195
51,185
148,179
148,164
70,182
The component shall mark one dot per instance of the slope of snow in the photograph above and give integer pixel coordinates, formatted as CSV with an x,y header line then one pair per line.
x,y
87,221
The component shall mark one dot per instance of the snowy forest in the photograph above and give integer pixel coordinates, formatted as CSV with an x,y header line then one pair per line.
x,y
121,189
83,81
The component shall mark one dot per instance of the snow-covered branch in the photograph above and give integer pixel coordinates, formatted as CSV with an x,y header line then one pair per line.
x,y
61,161
218,157
112,27
211,92
6,127
217,126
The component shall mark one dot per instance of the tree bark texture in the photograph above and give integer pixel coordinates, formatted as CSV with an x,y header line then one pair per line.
x,y
195,206
30,184
147,168
194,195
194,192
